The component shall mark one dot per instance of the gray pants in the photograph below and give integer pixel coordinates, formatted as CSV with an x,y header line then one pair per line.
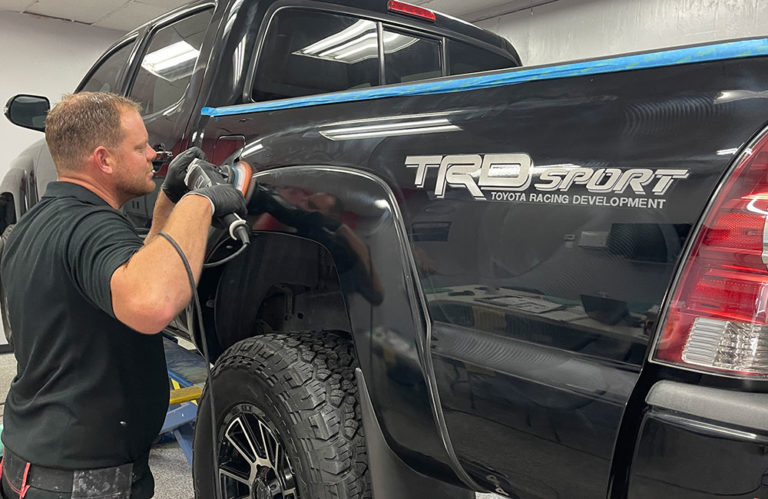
x,y
28,481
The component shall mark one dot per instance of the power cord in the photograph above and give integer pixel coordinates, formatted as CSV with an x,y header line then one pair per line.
x,y
244,244
203,338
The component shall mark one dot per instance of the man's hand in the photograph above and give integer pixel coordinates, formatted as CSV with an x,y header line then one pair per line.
x,y
201,173
174,186
224,199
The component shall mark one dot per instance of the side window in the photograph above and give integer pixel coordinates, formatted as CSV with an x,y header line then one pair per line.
x,y
310,52
105,77
466,58
169,61
409,57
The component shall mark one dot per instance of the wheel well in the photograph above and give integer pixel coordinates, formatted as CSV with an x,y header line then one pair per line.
x,y
282,283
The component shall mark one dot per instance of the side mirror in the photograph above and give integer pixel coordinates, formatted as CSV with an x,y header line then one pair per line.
x,y
28,111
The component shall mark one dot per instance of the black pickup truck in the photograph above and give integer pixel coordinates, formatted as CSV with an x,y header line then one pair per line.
x,y
545,282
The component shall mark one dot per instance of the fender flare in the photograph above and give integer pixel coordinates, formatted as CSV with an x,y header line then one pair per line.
x,y
393,330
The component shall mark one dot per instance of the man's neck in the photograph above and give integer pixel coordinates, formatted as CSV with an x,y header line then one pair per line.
x,y
95,188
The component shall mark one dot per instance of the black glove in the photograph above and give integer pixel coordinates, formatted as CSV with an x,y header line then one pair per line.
x,y
173,185
225,200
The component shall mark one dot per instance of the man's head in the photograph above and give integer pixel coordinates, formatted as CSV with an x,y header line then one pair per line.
x,y
80,123
101,137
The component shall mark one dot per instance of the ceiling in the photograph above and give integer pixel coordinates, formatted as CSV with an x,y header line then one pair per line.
x,y
477,10
124,15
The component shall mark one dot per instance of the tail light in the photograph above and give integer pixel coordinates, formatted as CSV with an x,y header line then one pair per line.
x,y
717,318
411,10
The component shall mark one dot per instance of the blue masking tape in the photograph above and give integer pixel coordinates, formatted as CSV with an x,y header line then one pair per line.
x,y
715,52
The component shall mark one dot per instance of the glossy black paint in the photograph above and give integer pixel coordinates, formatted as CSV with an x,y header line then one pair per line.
x,y
532,401
384,312
501,340
675,459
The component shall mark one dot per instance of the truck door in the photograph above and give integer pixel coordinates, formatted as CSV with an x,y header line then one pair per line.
x,y
163,84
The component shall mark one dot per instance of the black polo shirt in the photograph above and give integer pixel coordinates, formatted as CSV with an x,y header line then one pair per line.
x,y
90,392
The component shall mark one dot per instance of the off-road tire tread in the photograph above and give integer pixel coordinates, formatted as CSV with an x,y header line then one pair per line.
x,y
312,375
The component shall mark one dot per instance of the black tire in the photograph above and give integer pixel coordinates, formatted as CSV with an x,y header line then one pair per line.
x,y
299,391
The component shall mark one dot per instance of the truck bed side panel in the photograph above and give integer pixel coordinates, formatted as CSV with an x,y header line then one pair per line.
x,y
541,296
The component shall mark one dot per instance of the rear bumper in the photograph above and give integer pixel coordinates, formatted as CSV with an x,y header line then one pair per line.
x,y
700,442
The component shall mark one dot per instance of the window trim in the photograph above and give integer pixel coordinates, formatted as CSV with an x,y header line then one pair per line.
x,y
379,40
445,58
147,40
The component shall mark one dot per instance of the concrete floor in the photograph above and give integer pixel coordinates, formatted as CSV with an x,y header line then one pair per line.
x,y
173,476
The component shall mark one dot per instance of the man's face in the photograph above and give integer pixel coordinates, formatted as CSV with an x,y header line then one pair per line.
x,y
133,172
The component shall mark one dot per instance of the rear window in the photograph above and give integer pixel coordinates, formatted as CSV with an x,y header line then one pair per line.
x,y
311,52
466,58
308,52
410,57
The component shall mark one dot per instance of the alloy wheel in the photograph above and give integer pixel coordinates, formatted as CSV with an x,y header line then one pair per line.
x,y
252,459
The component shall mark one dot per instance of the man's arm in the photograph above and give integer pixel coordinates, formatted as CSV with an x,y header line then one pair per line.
x,y
151,288
160,215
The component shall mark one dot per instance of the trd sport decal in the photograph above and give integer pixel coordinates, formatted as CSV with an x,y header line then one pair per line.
x,y
510,177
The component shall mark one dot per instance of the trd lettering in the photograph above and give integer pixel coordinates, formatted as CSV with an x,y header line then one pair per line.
x,y
514,172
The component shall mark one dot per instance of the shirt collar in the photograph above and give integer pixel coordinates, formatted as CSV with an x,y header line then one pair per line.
x,y
59,189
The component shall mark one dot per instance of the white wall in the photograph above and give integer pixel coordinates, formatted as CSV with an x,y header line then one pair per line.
x,y
42,57
578,29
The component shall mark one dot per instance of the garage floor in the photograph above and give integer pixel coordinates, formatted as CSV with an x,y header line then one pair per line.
x,y
173,476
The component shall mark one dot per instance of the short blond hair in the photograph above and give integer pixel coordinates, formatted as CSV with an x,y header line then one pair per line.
x,y
82,122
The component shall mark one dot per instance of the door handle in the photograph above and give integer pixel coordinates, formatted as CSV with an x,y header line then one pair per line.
x,y
163,156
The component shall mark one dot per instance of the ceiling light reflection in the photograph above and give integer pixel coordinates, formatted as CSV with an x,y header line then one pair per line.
x,y
347,45
170,56
727,152
172,62
340,37
356,43
252,148
411,127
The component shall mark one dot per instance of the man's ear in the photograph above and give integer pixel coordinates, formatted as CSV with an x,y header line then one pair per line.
x,y
103,159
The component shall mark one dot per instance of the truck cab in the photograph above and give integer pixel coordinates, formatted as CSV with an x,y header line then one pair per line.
x,y
210,54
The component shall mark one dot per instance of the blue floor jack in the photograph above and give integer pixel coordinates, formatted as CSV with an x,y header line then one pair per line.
x,y
187,372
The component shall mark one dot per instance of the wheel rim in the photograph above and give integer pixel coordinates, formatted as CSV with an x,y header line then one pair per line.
x,y
252,460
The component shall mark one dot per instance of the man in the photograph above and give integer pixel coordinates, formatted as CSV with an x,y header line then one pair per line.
x,y
86,299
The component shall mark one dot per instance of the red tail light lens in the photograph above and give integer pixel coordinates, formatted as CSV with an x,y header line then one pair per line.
x,y
717,319
411,10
